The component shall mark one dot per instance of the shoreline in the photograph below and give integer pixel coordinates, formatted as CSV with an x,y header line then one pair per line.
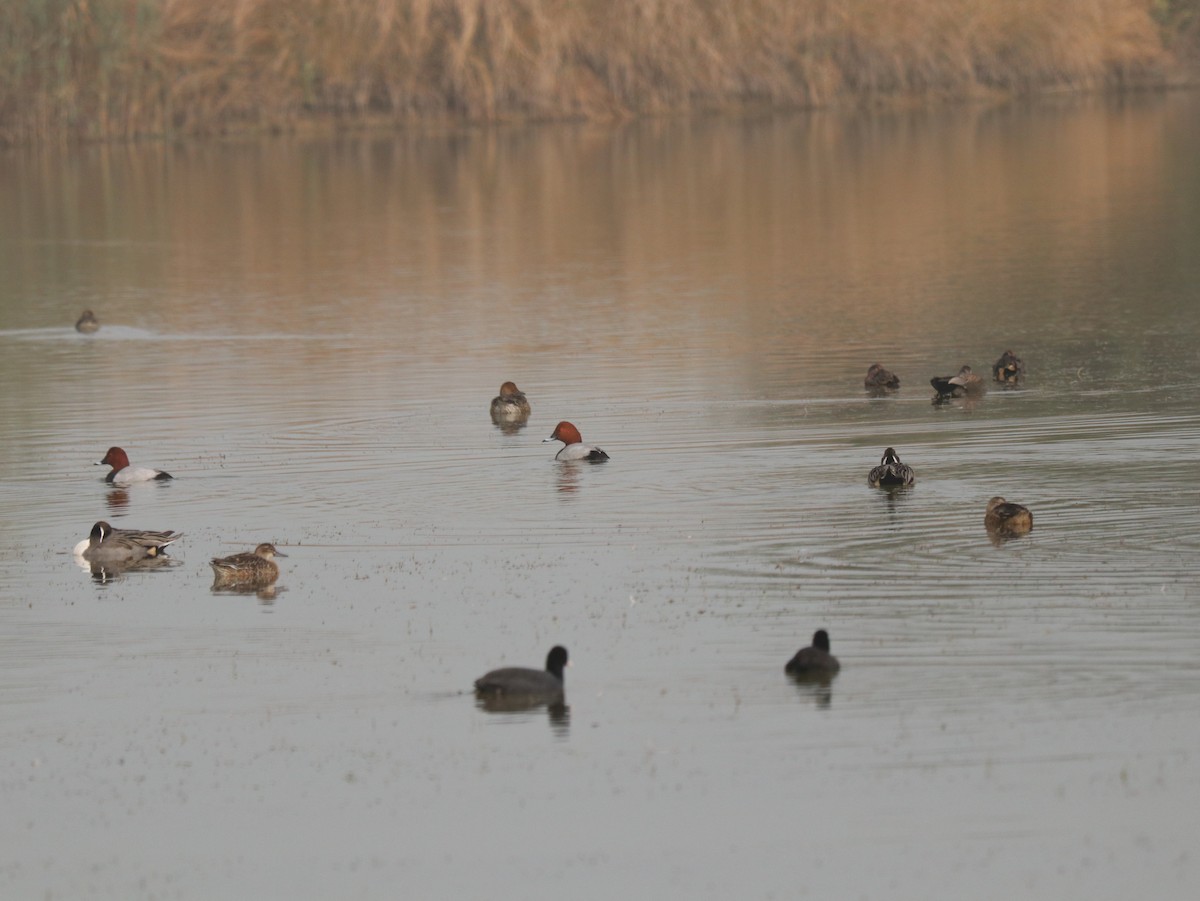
x,y
117,70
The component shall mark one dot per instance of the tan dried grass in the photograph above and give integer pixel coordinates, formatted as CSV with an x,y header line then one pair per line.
x,y
111,68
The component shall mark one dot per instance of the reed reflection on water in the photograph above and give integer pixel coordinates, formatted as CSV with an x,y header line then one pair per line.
x,y
308,334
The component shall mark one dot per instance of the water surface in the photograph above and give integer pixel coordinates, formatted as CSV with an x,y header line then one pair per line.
x,y
308,334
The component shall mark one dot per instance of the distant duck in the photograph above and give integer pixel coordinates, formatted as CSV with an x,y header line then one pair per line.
x,y
891,472
511,403
814,660
252,570
124,474
965,383
574,448
1008,370
87,323
524,682
108,545
1006,519
880,379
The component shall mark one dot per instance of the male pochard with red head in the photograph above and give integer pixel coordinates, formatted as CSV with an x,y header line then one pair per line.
x,y
575,448
124,474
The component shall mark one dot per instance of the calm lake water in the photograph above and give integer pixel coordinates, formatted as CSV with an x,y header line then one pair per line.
x,y
307,334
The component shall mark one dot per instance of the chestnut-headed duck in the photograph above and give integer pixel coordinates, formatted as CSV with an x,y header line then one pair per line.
x,y
511,403
965,383
1008,370
815,659
124,474
1007,519
880,379
87,323
108,545
891,472
575,448
255,568
518,680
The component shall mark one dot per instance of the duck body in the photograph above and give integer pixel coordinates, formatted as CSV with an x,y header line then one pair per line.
x,y
254,568
891,473
880,379
964,383
524,682
124,474
510,403
574,448
87,323
815,659
1007,519
1008,370
108,545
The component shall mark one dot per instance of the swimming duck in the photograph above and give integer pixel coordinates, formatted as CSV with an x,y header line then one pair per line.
x,y
880,379
1009,369
124,474
1007,519
891,472
108,545
143,537
518,680
511,403
815,659
254,569
965,383
87,323
575,449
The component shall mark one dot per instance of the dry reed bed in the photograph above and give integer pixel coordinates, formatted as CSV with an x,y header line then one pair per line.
x,y
120,68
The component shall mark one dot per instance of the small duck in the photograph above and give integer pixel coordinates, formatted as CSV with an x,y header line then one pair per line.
x,y
511,403
124,474
255,569
87,323
1007,519
891,472
1008,370
880,379
519,680
575,449
108,545
965,383
814,660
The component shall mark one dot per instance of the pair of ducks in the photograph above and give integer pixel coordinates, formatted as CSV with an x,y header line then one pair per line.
x,y
129,547
1002,518
511,405
1008,370
518,682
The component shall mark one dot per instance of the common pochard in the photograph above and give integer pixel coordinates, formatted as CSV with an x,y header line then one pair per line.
x,y
575,449
124,474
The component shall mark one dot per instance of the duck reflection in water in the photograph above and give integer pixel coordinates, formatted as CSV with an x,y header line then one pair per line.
x,y
556,708
266,594
568,476
117,499
105,572
815,687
